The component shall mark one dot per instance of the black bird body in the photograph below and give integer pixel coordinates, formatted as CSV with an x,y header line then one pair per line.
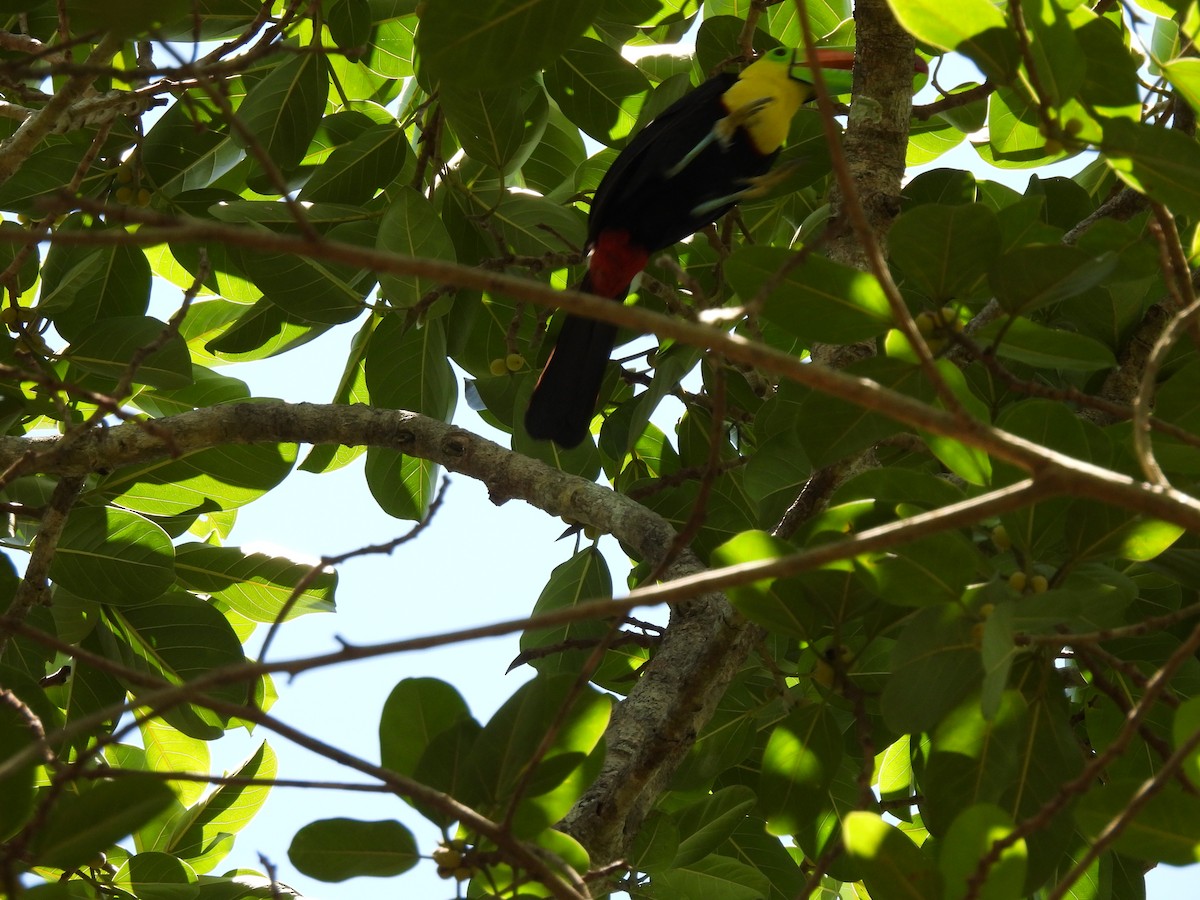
x,y
683,171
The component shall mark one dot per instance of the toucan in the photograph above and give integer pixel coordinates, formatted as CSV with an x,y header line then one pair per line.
x,y
706,152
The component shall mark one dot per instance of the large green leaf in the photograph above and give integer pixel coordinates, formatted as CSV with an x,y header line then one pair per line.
x,y
499,127
817,300
198,836
583,577
410,227
354,172
113,556
79,826
281,112
935,666
894,868
189,147
1029,278
258,586
472,44
800,759
156,875
17,787
83,286
416,711
177,638
706,823
1027,342
337,849
42,175
500,755
970,840
222,477
713,876
976,28
306,288
1161,162
109,346
1166,829
945,251
971,758
598,89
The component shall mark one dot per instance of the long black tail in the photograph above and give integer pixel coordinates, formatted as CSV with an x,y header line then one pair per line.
x,y
564,400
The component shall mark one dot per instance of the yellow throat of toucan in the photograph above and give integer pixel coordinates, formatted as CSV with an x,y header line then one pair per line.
x,y
777,83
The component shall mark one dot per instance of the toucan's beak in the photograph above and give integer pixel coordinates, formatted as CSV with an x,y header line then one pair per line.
x,y
828,57
835,64
840,58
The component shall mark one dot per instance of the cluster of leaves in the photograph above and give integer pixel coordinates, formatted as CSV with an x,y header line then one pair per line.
x,y
933,672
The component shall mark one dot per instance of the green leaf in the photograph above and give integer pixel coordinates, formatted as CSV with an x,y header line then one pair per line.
x,y
113,556
472,44
349,24
80,826
501,753
598,90
170,750
337,849
1184,75
945,251
177,638
923,572
935,665
406,368
556,156
1184,728
846,428
82,285
1029,278
403,486
583,577
17,786
894,868
258,586
353,173
1160,162
498,127
352,388
306,288
972,758
157,876
1036,345
818,300
189,147
415,713
221,477
224,811
1110,85
445,766
801,758
943,26
1054,50
1166,829
261,331
206,388
109,345
707,823
42,175
968,841
753,599
713,876
411,227
388,60
282,111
